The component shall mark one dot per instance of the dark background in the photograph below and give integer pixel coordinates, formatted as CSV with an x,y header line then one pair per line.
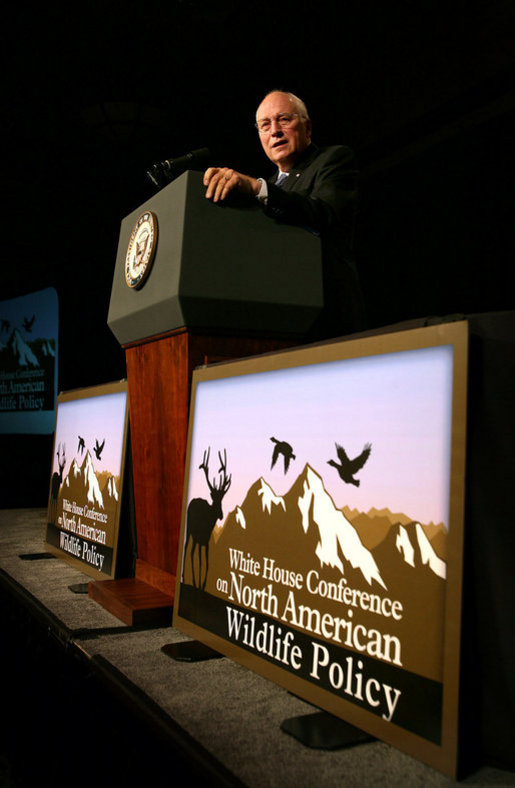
x,y
93,96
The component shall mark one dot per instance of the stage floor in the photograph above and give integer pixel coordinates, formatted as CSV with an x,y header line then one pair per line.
x,y
214,718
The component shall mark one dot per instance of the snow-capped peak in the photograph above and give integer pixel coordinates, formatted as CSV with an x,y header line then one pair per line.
x,y
47,349
428,554
21,351
91,482
405,546
268,497
240,517
111,488
334,529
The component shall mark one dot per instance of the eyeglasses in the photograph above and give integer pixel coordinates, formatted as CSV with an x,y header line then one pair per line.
x,y
284,121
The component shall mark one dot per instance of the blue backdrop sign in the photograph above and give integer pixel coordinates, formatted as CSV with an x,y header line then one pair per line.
x,y
28,362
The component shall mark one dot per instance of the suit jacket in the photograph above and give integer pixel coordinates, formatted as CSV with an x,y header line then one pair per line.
x,y
320,194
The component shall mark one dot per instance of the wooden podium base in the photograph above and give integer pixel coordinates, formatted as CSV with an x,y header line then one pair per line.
x,y
159,373
132,601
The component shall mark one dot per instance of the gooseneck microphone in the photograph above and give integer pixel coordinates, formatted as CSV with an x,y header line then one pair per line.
x,y
166,171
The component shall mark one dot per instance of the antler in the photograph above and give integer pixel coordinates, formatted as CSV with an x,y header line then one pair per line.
x,y
205,467
62,460
225,481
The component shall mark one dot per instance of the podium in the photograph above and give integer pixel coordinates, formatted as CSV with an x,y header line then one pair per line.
x,y
225,282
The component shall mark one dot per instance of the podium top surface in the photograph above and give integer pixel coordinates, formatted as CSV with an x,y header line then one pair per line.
x,y
217,268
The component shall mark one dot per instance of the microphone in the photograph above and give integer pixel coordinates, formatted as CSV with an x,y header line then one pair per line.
x,y
166,171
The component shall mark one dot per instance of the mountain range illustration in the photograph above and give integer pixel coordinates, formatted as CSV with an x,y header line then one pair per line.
x,y
379,553
339,537
20,350
17,352
373,526
86,474
84,486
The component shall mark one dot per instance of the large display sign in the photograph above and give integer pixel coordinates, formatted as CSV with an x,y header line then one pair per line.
x,y
322,527
28,362
87,477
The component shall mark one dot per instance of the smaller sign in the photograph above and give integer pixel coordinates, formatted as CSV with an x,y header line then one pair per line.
x,y
141,250
29,327
86,484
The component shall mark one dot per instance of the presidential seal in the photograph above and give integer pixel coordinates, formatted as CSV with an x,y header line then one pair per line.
x,y
141,250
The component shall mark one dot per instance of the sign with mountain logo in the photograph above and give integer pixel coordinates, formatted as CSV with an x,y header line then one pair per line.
x,y
322,527
29,328
87,477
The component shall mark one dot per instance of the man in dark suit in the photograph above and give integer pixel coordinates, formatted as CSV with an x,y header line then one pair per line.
x,y
315,188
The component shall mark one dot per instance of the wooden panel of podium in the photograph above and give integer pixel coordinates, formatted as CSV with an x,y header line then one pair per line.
x,y
224,283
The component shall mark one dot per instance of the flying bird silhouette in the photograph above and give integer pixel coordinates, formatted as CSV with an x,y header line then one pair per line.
x,y
27,324
347,468
81,445
98,449
281,447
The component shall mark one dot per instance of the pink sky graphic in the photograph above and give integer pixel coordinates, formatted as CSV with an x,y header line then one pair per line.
x,y
94,418
399,402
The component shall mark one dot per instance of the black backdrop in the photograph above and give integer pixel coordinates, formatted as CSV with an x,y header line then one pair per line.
x,y
93,96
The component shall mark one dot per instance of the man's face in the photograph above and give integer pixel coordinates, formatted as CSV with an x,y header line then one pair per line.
x,y
283,146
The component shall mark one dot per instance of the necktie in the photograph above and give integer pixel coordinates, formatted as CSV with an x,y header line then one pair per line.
x,y
281,179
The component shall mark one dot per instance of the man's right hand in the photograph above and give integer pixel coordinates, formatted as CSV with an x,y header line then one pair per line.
x,y
221,181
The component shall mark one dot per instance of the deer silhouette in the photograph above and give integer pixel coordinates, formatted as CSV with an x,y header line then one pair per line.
x,y
57,480
201,517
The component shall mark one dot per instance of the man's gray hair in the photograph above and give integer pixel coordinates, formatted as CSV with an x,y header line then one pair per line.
x,y
300,107
299,104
